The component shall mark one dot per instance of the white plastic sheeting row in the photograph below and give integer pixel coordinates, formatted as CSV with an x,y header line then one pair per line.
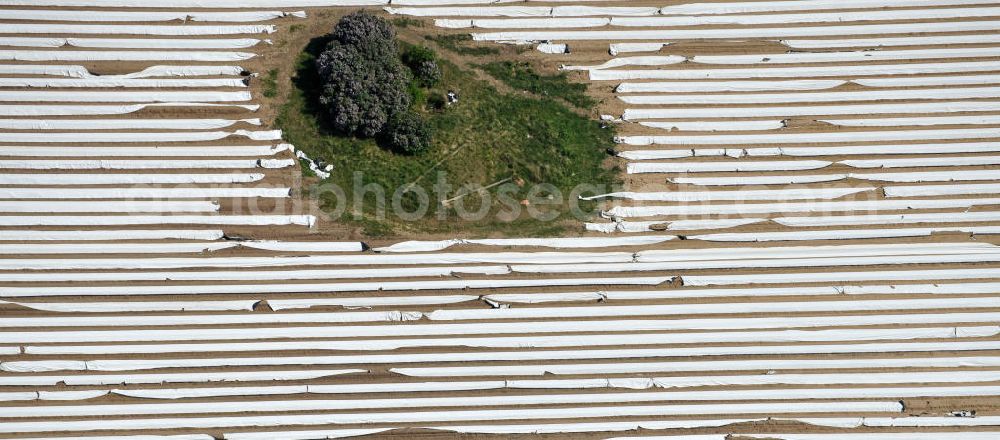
x,y
165,248
491,328
493,356
135,437
96,220
524,23
531,342
847,70
631,383
631,61
962,435
737,33
155,378
940,190
763,194
453,416
915,176
129,234
123,248
565,242
716,125
141,16
799,194
112,124
675,309
802,5
818,206
879,219
131,55
125,29
848,234
615,48
928,81
853,150
825,137
81,110
114,137
279,304
149,72
52,207
637,383
715,167
552,428
899,275
128,43
140,193
330,287
521,11
305,246
905,421
922,162
141,164
922,121
132,96
893,41
486,314
213,4
121,307
802,84
395,259
552,48
848,57
20,412
690,366
526,258
729,86
129,179
775,98
199,151
588,296
674,225
845,109
116,82
705,20
305,435
227,319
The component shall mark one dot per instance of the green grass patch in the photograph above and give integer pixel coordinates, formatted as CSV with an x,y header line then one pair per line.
x,y
461,44
486,137
522,76
270,83
407,22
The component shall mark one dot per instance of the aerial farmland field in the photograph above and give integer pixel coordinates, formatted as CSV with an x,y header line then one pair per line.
x,y
476,219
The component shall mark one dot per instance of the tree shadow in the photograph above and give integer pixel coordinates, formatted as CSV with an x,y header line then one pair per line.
x,y
308,81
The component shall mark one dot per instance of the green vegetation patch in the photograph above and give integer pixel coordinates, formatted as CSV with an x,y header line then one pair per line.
x,y
491,152
461,44
522,76
270,83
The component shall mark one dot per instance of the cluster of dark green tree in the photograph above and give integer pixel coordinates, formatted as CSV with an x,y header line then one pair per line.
x,y
367,83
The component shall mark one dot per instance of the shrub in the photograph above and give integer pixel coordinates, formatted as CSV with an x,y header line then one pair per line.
x,y
363,82
366,88
372,35
407,133
427,73
270,83
422,62
359,93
